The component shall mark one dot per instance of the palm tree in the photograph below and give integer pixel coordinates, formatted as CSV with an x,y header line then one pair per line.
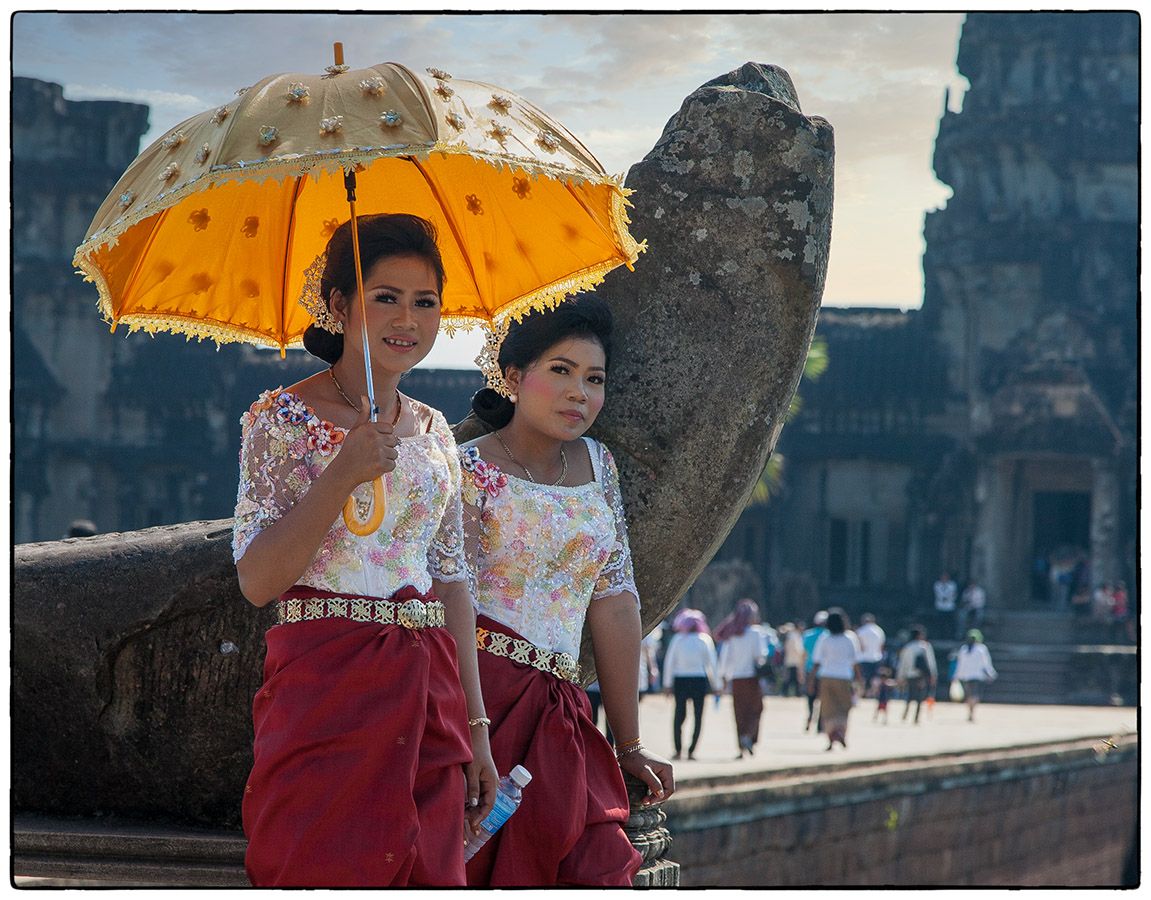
x,y
771,477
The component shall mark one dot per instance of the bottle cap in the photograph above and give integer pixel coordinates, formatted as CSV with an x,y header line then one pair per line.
x,y
520,776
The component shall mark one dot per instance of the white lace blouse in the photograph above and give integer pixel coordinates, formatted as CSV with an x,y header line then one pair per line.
x,y
542,554
284,448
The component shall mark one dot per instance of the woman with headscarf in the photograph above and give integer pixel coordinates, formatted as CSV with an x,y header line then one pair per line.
x,y
689,671
742,650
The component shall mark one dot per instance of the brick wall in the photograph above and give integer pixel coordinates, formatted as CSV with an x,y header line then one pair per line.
x,y
1057,815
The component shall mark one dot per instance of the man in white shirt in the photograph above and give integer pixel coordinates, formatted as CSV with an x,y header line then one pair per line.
x,y
946,599
871,643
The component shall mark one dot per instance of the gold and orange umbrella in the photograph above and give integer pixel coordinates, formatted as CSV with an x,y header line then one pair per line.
x,y
212,230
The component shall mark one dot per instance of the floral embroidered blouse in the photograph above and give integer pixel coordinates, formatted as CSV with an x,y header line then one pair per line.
x,y
284,448
542,554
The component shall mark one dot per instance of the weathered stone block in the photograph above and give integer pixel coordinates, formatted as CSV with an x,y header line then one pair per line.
x,y
715,322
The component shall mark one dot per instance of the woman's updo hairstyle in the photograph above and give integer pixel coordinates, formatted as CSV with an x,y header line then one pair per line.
x,y
584,316
381,236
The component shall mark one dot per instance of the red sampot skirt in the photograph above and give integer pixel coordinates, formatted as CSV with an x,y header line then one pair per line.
x,y
569,827
360,737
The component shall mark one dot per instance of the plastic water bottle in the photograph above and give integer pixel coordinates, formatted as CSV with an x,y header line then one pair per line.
x,y
508,797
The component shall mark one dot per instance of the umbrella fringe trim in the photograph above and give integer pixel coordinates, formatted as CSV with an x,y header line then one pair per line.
x,y
295,167
191,327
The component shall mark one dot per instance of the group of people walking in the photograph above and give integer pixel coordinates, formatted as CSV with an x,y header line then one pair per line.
x,y
693,669
412,665
831,664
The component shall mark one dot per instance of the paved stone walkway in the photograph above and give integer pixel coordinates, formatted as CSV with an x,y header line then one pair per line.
x,y
784,744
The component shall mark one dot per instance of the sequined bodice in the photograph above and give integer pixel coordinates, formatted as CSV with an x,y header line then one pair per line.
x,y
542,554
286,446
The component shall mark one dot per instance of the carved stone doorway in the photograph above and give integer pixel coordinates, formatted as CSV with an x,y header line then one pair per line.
x,y
1060,546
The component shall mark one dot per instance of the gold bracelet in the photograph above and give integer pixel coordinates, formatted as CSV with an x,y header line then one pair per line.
x,y
626,745
479,720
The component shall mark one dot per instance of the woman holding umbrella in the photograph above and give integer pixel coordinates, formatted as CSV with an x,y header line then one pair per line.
x,y
370,715
547,538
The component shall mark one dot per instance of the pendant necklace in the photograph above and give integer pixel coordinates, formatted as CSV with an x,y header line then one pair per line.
x,y
335,381
531,478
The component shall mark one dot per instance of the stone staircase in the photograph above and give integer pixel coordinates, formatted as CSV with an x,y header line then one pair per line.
x,y
1049,657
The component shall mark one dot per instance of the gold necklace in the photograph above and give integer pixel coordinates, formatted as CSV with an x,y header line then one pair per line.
x,y
531,478
335,381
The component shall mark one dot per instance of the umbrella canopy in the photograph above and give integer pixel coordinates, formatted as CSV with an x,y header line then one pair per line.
x,y
213,228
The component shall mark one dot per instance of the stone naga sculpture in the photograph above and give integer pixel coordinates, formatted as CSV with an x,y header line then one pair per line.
x,y
135,657
715,322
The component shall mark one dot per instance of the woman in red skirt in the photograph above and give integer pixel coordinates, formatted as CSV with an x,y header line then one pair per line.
x,y
370,738
547,539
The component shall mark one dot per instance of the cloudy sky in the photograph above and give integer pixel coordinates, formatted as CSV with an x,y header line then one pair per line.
x,y
614,80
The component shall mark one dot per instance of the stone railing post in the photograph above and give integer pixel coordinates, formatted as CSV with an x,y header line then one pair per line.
x,y
647,832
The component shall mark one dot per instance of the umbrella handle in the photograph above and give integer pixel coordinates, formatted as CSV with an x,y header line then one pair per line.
x,y
368,526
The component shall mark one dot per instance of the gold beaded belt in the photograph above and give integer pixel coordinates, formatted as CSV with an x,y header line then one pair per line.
x,y
562,665
409,614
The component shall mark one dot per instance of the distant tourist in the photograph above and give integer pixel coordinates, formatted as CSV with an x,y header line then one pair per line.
x,y
811,683
836,668
974,602
946,593
743,650
689,672
885,686
1121,620
649,661
917,672
973,669
1103,602
872,640
791,634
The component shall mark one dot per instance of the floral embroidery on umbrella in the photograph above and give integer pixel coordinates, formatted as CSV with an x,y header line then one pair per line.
x,y
170,172
548,141
500,103
331,124
298,92
444,91
456,121
126,198
390,119
199,219
202,154
221,113
438,73
174,140
373,87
